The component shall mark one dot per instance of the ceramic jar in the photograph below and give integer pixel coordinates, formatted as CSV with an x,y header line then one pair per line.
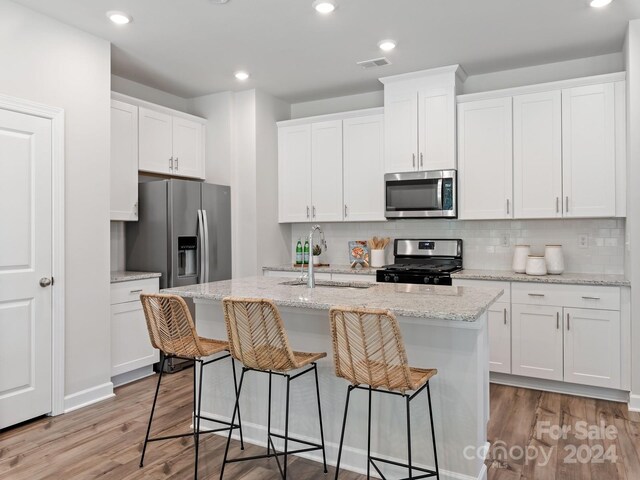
x,y
520,255
377,258
554,259
536,265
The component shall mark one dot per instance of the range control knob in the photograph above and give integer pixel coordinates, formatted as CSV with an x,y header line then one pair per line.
x,y
396,278
387,278
427,279
436,281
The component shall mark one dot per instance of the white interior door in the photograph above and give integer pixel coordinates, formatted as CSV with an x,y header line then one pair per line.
x,y
25,259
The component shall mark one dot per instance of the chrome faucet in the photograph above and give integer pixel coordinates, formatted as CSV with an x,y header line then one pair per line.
x,y
311,280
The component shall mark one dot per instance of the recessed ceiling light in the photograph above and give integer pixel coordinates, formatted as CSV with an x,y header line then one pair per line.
x,y
324,6
387,45
119,18
242,75
600,3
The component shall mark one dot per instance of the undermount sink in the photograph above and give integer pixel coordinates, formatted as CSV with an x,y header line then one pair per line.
x,y
328,283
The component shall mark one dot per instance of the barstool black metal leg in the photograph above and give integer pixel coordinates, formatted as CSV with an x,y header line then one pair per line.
x,y
344,424
197,411
433,433
155,399
369,438
408,400
286,428
233,419
324,455
235,386
269,417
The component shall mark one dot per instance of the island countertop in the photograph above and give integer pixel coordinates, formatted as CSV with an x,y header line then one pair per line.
x,y
464,304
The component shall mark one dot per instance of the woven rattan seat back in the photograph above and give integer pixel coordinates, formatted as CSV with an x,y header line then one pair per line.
x,y
257,336
170,325
368,348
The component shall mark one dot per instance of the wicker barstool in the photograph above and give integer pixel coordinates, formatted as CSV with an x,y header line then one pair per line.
x,y
369,352
257,338
172,331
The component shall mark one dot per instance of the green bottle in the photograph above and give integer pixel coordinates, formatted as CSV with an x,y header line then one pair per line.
x,y
306,252
299,252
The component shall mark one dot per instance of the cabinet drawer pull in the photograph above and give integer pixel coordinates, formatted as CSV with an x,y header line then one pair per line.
x,y
171,163
566,201
414,160
421,159
307,211
557,204
557,320
505,316
508,209
346,212
314,211
568,322
139,290
176,160
590,298
536,294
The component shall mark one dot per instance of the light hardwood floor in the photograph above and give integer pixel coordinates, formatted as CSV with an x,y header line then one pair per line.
x,y
104,441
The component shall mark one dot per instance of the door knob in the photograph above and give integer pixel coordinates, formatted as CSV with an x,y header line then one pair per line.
x,y
45,282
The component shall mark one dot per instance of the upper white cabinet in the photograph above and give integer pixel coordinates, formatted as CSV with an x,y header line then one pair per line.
x,y
537,155
294,173
589,151
485,141
330,168
568,152
124,161
363,167
170,145
326,170
420,120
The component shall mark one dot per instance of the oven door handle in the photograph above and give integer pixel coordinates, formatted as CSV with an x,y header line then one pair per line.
x,y
440,187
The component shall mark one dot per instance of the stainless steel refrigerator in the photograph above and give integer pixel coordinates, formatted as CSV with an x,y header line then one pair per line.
x,y
183,232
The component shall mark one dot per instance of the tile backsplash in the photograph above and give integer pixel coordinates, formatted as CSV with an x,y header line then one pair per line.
x,y
589,245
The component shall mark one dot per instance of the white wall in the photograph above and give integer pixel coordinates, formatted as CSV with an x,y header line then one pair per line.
x,y
482,247
149,94
582,67
632,57
51,63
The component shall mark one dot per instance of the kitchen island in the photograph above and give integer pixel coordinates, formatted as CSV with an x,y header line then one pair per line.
x,y
442,327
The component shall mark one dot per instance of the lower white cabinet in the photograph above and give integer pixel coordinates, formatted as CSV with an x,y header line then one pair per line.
x,y
592,347
499,319
130,345
537,341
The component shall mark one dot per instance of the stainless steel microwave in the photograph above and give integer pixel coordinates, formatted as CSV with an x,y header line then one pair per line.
x,y
430,194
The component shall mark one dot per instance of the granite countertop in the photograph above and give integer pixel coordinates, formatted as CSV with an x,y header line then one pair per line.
x,y
565,278
125,276
330,269
465,304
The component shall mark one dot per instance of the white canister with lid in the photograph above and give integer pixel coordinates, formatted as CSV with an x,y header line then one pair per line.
x,y
520,255
554,259
536,265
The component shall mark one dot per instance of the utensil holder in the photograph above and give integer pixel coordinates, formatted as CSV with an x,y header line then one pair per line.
x,y
377,258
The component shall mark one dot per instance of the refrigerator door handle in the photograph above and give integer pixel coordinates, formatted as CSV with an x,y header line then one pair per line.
x,y
201,238
207,261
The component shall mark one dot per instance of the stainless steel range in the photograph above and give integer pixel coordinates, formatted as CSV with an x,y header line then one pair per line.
x,y
423,262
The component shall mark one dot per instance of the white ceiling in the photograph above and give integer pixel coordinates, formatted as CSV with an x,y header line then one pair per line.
x,y
193,47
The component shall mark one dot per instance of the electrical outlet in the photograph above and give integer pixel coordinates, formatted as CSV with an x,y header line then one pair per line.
x,y
583,240
505,240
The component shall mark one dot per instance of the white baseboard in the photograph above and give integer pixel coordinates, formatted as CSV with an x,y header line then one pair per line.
x,y
560,387
132,376
87,397
634,403
256,435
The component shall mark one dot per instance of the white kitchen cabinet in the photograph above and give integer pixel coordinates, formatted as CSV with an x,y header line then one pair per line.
x,y
436,129
170,144
485,159
188,148
537,155
131,349
592,347
401,129
363,168
294,173
420,120
326,171
589,151
124,161
499,325
155,141
537,341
